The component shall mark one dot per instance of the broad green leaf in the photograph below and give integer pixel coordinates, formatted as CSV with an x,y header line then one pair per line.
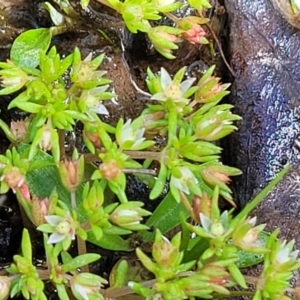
x,y
25,51
111,242
164,218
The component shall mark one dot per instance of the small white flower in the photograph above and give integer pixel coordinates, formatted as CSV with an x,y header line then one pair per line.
x,y
92,99
172,90
215,227
285,253
187,177
87,286
63,228
128,215
205,222
128,134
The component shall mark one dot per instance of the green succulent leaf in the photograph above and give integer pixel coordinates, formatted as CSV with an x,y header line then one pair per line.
x,y
27,46
80,261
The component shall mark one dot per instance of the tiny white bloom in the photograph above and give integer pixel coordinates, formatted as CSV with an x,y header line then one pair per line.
x,y
62,228
205,222
172,90
128,134
187,177
285,252
53,220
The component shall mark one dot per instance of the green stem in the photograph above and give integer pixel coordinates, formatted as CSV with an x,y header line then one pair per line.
x,y
89,157
172,122
73,200
81,244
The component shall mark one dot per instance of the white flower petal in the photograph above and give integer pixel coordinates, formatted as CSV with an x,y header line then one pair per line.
x,y
53,220
185,85
294,254
89,57
55,238
188,175
180,185
137,143
100,109
224,219
127,213
205,222
98,90
252,221
81,291
165,78
159,96
140,133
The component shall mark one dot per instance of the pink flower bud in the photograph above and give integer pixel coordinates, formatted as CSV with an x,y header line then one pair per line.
x,y
93,138
13,178
193,35
24,190
193,31
71,173
39,209
215,175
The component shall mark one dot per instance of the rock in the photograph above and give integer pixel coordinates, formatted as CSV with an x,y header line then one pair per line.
x,y
265,56
266,93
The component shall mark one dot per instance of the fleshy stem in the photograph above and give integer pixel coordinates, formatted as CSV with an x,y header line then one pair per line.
x,y
172,121
73,200
81,244
89,157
